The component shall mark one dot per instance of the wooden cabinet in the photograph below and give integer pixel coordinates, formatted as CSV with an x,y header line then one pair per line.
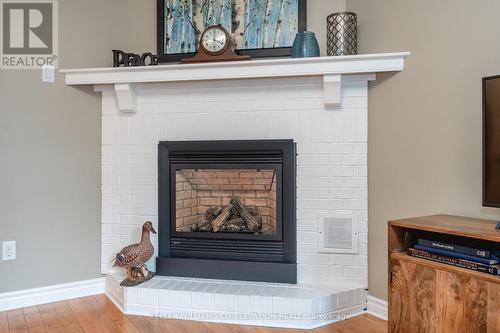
x,y
427,296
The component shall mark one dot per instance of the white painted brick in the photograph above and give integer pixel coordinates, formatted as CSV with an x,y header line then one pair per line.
x,y
267,305
142,296
307,237
341,171
355,271
342,148
363,238
106,190
304,104
111,239
336,203
307,226
307,248
255,304
313,203
242,106
230,303
208,300
314,259
266,105
355,159
336,271
310,159
219,302
110,179
360,171
316,193
343,259
318,270
143,209
342,193
331,147
361,148
163,297
356,182
119,229
309,215
243,303
121,170
314,182
317,148
361,193
355,102
110,218
362,227
336,159
110,160
354,89
363,249
355,204
125,240
361,260
143,159
204,107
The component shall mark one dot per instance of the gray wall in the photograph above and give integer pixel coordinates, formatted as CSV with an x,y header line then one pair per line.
x,y
50,155
425,123
50,143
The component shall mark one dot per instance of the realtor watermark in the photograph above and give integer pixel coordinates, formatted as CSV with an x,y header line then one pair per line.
x,y
228,316
28,32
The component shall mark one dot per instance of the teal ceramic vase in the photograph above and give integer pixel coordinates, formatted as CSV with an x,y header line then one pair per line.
x,y
305,45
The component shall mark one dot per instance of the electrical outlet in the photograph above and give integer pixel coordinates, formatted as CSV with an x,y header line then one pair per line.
x,y
9,250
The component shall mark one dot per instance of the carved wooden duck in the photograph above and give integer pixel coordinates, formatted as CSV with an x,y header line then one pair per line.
x,y
134,256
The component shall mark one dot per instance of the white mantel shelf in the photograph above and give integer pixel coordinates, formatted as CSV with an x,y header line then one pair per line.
x,y
330,68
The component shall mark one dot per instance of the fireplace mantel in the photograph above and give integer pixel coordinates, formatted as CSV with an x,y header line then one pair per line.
x,y
319,103
125,79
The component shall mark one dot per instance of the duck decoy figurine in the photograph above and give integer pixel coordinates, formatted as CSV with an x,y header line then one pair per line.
x,y
134,257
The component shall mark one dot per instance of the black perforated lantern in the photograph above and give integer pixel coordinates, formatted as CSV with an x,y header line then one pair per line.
x,y
342,34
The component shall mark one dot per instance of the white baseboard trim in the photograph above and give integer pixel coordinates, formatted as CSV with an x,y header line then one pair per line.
x,y
377,307
59,292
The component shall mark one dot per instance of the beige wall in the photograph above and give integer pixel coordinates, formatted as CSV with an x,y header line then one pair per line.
x,y
50,143
50,155
425,123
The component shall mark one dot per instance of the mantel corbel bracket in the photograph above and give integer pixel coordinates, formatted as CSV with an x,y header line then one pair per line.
x,y
332,90
126,97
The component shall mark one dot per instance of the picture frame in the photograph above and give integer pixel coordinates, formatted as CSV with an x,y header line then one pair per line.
x,y
285,51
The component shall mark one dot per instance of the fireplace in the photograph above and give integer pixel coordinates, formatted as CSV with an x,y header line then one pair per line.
x,y
227,210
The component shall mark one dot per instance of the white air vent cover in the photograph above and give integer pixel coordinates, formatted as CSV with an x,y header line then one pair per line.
x,y
338,233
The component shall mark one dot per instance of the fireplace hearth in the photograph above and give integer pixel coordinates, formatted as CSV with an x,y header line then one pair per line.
x,y
227,210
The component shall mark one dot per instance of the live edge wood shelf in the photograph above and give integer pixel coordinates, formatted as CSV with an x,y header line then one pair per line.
x,y
427,296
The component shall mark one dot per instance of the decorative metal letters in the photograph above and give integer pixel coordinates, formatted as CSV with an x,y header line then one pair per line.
x,y
125,59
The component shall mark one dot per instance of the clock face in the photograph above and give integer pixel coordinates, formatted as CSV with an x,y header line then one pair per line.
x,y
214,40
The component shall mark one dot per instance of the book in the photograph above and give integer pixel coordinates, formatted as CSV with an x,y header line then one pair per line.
x,y
457,255
482,253
490,269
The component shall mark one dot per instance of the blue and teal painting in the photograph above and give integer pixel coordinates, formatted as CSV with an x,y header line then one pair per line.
x,y
253,24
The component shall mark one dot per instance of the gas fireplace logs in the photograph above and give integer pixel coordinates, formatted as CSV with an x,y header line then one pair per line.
x,y
234,217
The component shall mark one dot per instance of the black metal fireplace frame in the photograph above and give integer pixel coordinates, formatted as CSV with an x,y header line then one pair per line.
x,y
270,258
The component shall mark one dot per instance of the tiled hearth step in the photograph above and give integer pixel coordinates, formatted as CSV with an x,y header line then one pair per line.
x,y
247,303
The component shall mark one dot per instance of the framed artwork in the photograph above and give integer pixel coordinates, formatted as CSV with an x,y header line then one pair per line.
x,y
260,28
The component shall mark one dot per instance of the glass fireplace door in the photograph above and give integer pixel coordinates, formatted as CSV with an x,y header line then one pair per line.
x,y
224,201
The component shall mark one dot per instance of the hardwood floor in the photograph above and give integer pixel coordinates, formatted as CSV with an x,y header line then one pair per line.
x,y
97,314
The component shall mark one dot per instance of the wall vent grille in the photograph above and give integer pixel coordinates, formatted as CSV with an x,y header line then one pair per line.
x,y
338,234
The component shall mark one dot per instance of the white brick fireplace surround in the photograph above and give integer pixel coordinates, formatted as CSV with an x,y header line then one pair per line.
x,y
320,103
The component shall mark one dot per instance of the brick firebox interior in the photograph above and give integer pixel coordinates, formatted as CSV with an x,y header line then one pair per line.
x,y
198,190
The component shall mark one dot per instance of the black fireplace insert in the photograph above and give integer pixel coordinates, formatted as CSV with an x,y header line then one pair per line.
x,y
227,210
